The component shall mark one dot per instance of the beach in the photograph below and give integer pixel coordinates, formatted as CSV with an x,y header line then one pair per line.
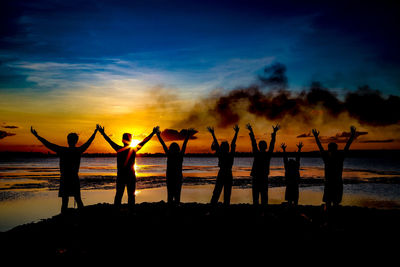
x,y
29,186
153,230
31,226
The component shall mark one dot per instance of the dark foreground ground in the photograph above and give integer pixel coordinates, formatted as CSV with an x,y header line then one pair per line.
x,y
153,231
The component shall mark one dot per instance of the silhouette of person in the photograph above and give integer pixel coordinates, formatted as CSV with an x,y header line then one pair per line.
x,y
260,169
126,155
174,167
292,175
333,160
225,163
70,159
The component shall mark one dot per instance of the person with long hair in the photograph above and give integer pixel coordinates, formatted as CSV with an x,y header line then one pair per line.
x,y
174,175
225,163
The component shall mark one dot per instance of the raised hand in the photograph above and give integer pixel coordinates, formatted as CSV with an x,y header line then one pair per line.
x,y
190,131
156,130
353,131
283,146
248,127
315,132
100,129
236,128
300,145
210,129
276,128
33,131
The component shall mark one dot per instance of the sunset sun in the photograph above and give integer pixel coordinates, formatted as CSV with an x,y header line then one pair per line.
x,y
134,143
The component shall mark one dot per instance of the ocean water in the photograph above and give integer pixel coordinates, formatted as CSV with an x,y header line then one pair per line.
x,y
29,186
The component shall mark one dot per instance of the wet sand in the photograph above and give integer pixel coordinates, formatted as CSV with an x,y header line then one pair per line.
x,y
193,229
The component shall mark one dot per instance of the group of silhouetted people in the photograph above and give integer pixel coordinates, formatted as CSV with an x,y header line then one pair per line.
x,y
70,160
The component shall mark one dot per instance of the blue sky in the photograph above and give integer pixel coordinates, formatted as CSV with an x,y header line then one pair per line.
x,y
198,45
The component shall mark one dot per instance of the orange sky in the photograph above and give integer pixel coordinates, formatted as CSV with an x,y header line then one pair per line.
x,y
54,116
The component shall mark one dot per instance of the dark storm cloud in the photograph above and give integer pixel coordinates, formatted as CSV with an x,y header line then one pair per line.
x,y
175,135
370,107
275,76
367,106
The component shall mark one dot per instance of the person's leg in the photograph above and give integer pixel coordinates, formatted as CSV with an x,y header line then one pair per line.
x,y
227,190
178,191
170,190
338,194
64,204
217,190
264,191
131,188
78,200
296,197
328,205
119,193
255,191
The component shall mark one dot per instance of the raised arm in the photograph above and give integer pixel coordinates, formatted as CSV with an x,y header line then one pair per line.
x,y
285,158
233,143
189,133
316,134
147,139
158,133
211,130
299,146
273,138
111,142
351,139
252,138
88,142
51,146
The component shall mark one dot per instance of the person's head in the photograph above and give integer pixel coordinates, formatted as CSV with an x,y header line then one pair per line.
x,y
126,139
174,148
262,145
72,139
224,147
332,147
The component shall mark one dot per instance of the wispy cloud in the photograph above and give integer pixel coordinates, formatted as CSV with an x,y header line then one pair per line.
x,y
377,141
4,134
